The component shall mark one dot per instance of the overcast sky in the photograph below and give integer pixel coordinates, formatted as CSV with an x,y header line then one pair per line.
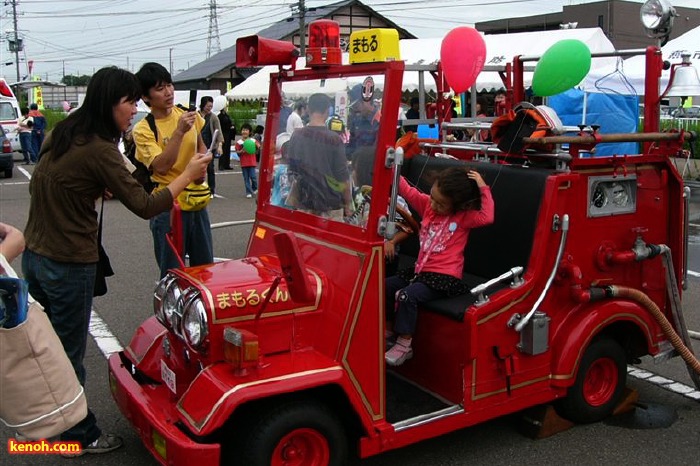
x,y
81,36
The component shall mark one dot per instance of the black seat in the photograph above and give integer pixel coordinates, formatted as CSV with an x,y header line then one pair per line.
x,y
492,250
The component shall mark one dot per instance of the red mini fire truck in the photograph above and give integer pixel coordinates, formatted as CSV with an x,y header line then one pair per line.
x,y
278,357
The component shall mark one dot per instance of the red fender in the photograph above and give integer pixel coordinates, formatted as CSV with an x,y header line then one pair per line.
x,y
576,332
216,392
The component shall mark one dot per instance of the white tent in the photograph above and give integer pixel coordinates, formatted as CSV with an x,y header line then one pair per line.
x,y
258,84
500,49
633,69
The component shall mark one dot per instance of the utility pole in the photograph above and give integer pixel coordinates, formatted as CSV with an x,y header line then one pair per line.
x,y
213,36
17,46
302,26
64,81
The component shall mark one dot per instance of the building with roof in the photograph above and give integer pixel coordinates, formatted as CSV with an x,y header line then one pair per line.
x,y
619,20
220,72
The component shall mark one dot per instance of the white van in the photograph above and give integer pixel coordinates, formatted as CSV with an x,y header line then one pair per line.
x,y
9,114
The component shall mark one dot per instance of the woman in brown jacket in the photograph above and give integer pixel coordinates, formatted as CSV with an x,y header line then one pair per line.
x,y
79,161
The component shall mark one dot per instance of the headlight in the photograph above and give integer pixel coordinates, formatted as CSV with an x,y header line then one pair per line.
x,y
194,320
159,297
172,295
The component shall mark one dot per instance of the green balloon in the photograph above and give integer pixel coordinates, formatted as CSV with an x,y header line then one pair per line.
x,y
561,67
249,145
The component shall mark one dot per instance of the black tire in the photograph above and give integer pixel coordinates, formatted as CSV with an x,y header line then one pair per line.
x,y
600,383
8,173
299,429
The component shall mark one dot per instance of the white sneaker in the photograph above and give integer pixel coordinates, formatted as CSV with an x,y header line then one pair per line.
x,y
255,192
249,196
399,353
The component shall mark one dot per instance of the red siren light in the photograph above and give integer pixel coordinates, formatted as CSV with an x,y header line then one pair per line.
x,y
259,51
324,44
5,90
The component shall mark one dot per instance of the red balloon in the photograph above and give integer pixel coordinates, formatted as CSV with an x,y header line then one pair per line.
x,y
463,54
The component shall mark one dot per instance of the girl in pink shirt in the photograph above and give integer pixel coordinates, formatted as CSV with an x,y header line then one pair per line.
x,y
459,201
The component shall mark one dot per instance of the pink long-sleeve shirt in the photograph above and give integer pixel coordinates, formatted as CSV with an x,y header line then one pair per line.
x,y
444,237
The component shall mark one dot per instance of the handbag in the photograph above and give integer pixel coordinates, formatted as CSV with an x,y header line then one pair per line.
x,y
41,396
104,267
194,197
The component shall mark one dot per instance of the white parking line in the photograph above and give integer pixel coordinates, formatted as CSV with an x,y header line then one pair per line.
x,y
693,274
667,384
25,172
15,183
103,336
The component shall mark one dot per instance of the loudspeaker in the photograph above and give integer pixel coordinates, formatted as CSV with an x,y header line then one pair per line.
x,y
259,51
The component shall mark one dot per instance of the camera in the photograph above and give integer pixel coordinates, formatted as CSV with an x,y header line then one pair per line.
x,y
13,301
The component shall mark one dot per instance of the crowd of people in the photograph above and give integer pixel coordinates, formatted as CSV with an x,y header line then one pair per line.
x,y
80,164
31,127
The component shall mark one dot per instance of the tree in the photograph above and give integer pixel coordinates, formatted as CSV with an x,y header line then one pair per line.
x,y
70,80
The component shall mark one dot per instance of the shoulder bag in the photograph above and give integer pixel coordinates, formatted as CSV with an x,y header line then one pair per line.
x,y
40,396
104,267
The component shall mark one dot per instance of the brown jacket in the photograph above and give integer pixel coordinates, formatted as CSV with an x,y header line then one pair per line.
x,y
62,221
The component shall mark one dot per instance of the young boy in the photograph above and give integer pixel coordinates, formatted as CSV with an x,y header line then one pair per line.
x,y
178,140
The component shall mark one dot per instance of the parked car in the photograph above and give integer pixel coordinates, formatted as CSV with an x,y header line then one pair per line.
x,y
7,163
9,114
686,112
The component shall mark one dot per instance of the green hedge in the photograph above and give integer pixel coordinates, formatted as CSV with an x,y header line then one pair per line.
x,y
244,112
53,116
688,125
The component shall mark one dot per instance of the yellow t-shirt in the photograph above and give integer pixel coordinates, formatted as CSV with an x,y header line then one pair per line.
x,y
147,148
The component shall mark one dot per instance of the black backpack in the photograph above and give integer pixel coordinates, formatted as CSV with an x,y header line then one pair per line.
x,y
142,172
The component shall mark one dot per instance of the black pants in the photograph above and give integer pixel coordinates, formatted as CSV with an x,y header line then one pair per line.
x,y
211,177
225,157
402,300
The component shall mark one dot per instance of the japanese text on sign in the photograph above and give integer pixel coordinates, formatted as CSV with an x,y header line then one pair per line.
x,y
364,45
251,297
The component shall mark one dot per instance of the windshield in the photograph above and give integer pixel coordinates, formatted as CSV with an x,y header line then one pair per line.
x,y
7,111
325,147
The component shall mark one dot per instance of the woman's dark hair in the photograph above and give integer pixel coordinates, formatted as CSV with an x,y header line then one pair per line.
x,y
455,184
204,101
95,117
363,165
483,102
259,129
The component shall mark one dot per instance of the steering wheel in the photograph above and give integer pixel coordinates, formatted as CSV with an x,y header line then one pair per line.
x,y
408,218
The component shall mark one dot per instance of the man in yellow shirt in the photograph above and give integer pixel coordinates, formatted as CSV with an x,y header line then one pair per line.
x,y
167,152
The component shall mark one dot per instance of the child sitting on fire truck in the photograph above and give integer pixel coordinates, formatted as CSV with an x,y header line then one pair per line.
x,y
459,200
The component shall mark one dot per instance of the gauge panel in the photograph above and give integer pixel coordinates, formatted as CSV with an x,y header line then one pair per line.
x,y
612,195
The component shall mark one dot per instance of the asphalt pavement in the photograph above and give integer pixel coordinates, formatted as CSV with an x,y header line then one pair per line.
x,y
129,301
